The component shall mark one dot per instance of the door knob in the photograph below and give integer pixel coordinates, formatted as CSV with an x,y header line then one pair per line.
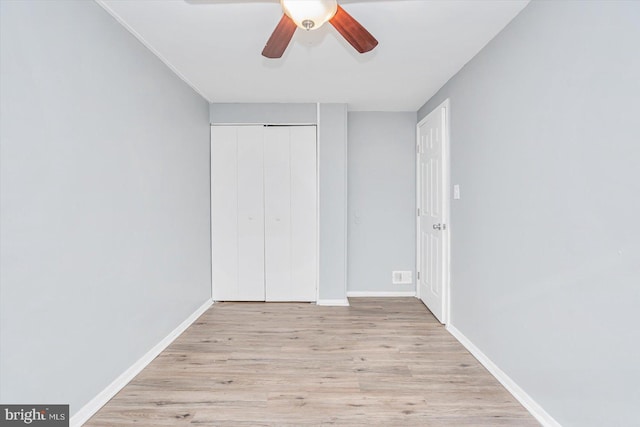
x,y
437,226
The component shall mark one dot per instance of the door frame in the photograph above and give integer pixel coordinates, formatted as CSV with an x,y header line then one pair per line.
x,y
446,209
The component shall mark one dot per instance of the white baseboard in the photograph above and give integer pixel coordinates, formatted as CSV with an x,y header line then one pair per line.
x,y
88,410
381,294
333,302
527,401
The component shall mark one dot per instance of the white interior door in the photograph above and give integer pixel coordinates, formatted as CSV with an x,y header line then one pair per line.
x,y
237,213
433,212
290,213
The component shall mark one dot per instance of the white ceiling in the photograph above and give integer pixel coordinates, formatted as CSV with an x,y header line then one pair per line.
x,y
215,46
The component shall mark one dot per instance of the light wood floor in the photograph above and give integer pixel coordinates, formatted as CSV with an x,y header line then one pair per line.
x,y
382,361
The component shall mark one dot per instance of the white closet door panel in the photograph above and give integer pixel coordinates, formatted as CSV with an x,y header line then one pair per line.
x,y
264,213
277,192
224,213
304,211
250,214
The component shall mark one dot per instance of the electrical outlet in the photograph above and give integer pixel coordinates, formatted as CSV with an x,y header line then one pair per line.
x,y
401,277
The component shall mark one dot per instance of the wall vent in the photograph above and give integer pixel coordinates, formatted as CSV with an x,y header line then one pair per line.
x,y
401,278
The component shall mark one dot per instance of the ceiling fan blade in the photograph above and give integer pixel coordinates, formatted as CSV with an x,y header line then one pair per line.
x,y
280,38
353,32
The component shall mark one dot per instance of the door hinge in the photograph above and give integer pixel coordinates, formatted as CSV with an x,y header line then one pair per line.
x,y
418,275
418,148
418,211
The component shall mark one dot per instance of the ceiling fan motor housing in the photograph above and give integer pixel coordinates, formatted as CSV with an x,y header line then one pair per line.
x,y
309,14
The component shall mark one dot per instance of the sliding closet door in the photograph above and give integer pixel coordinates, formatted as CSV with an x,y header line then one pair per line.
x,y
290,213
304,222
224,223
237,213
250,214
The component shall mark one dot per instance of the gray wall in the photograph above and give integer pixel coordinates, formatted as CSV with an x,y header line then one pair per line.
x,y
546,237
332,131
382,199
258,113
331,120
104,201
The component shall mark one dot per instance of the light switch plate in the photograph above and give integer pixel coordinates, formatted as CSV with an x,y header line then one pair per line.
x,y
456,192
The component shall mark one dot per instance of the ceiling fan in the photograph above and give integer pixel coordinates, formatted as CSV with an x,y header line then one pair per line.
x,y
311,15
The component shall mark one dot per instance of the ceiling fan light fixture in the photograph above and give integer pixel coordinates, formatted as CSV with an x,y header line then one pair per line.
x,y
309,14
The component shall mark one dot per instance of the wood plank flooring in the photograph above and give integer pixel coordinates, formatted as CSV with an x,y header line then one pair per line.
x,y
381,361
